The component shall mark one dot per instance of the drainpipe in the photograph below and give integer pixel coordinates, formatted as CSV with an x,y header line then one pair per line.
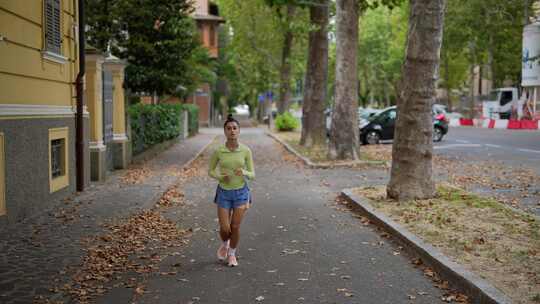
x,y
79,117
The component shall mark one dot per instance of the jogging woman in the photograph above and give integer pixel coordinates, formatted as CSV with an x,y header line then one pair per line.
x,y
231,164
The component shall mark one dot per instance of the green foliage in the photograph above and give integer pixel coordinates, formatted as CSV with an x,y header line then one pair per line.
x,y
201,70
286,122
193,118
100,16
381,52
158,39
251,60
484,32
153,124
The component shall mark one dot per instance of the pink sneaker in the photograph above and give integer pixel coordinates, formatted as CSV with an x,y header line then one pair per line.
x,y
222,251
232,261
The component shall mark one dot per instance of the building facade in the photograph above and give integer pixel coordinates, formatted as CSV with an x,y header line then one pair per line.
x,y
110,147
206,15
38,67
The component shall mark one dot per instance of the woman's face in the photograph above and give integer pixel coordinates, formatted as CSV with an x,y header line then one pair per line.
x,y
232,130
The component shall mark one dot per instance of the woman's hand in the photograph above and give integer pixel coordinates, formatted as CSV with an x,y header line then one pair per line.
x,y
238,172
226,178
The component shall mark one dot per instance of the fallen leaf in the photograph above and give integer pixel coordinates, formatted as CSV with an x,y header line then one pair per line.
x,y
139,290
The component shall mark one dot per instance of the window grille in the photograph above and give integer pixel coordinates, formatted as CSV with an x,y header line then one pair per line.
x,y
53,32
57,157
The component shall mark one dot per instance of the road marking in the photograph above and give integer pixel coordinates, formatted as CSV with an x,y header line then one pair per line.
x,y
463,141
529,150
457,146
492,146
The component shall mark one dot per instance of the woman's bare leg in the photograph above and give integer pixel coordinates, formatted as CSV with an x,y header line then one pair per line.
x,y
224,217
236,220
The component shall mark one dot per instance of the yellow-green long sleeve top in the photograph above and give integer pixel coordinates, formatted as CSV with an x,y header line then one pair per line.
x,y
225,162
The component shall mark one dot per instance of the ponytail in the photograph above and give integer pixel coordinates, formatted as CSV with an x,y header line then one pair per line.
x,y
230,118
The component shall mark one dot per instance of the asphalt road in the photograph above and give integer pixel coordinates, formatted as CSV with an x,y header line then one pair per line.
x,y
498,163
516,146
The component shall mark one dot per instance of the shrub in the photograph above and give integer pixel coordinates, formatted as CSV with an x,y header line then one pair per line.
x,y
193,118
286,122
153,124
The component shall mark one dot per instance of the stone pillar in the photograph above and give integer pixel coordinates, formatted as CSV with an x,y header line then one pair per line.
x,y
121,143
185,125
94,100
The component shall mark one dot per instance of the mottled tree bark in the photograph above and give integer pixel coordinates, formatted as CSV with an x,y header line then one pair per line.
x,y
412,152
344,129
285,70
313,124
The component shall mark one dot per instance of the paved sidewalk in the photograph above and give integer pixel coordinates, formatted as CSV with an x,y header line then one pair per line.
x,y
34,253
298,245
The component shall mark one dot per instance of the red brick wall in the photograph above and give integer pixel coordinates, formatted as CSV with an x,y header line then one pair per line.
x,y
202,99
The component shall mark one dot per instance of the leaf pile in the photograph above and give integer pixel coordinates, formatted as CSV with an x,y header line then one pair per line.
x,y
506,184
171,197
449,295
492,240
136,175
377,152
128,247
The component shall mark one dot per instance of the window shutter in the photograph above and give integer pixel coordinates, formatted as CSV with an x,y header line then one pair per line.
x,y
53,33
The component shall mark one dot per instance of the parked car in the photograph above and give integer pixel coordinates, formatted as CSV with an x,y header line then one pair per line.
x,y
367,113
381,126
363,117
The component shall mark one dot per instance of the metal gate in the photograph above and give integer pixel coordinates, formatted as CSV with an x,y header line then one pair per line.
x,y
108,116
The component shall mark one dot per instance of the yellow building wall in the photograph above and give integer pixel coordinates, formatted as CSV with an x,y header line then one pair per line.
x,y
93,95
25,76
119,121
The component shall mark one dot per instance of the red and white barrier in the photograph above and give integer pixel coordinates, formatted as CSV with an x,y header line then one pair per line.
x,y
496,123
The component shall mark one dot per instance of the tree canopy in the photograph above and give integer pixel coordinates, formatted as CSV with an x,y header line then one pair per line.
x,y
158,39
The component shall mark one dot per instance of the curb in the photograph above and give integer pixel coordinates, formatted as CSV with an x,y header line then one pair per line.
x,y
188,163
313,165
476,288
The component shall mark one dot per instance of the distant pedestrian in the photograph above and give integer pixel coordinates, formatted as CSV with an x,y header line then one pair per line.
x,y
231,164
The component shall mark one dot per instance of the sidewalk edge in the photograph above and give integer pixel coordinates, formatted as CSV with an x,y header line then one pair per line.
x,y
476,288
201,151
158,195
313,165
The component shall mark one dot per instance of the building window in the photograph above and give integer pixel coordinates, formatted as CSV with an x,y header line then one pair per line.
x,y
53,30
2,177
212,35
58,159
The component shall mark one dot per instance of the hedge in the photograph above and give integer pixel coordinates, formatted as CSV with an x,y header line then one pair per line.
x,y
286,122
153,124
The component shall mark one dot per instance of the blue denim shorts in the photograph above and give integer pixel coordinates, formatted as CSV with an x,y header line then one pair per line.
x,y
229,199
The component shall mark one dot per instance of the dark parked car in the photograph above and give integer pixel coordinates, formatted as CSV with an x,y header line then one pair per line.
x,y
381,126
